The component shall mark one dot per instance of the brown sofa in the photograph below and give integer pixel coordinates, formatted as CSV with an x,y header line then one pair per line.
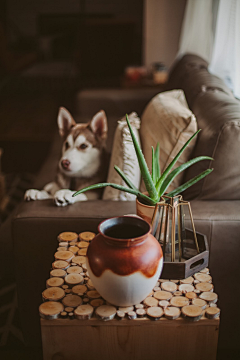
x,y
215,201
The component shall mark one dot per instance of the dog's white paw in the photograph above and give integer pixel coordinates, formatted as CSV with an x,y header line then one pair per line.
x,y
33,194
64,197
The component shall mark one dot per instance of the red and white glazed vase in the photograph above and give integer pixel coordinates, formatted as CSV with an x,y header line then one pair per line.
x,y
124,260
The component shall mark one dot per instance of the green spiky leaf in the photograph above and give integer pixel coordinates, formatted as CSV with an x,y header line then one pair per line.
x,y
143,166
189,183
155,164
173,162
118,187
179,169
125,178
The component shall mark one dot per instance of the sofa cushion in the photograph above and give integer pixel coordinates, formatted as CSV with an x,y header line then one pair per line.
x,y
218,116
124,156
191,75
168,120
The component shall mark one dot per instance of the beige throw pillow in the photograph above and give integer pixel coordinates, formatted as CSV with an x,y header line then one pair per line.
x,y
124,156
168,120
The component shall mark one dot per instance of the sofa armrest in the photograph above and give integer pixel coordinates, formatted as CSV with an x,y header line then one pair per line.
x,y
35,228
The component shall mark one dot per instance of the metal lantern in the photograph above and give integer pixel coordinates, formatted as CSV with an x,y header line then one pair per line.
x,y
168,227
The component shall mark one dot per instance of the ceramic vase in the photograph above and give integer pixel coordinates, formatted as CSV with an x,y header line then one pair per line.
x,y
124,260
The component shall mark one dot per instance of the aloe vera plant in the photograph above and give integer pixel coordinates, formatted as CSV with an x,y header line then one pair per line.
x,y
155,182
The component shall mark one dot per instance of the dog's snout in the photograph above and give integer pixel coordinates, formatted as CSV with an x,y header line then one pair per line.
x,y
65,164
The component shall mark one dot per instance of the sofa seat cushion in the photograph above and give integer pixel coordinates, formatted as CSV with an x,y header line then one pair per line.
x,y
168,120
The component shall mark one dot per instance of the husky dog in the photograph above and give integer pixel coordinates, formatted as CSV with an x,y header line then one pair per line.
x,y
82,162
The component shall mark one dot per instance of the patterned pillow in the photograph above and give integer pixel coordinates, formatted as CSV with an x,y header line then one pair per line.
x,y
168,120
124,156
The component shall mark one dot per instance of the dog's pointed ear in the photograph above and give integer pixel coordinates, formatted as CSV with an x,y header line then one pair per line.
x,y
99,125
65,121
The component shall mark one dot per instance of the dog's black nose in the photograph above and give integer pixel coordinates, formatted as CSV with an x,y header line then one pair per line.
x,y
65,164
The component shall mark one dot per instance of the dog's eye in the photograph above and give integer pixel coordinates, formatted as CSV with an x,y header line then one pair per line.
x,y
66,145
83,146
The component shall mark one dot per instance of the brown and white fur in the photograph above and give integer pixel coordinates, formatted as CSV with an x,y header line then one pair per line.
x,y
82,160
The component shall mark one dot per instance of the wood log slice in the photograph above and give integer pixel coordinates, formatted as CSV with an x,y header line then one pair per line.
x,y
62,248
203,277
121,314
71,315
179,301
69,309
156,288
86,300
164,303
72,301
97,302
87,236
163,280
139,306
188,280
177,293
184,288
58,273
63,244
82,252
192,312
79,289
64,255
73,249
132,315
65,287
199,302
168,286
150,301
141,313
59,264
68,236
53,294
163,295
106,312
155,312
74,270
83,312
68,291
191,295
83,244
205,271
197,291
172,312
209,296
174,281
93,294
203,287
126,309
84,266
50,310
54,281
72,243
79,260
212,305
90,285
74,279
63,314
